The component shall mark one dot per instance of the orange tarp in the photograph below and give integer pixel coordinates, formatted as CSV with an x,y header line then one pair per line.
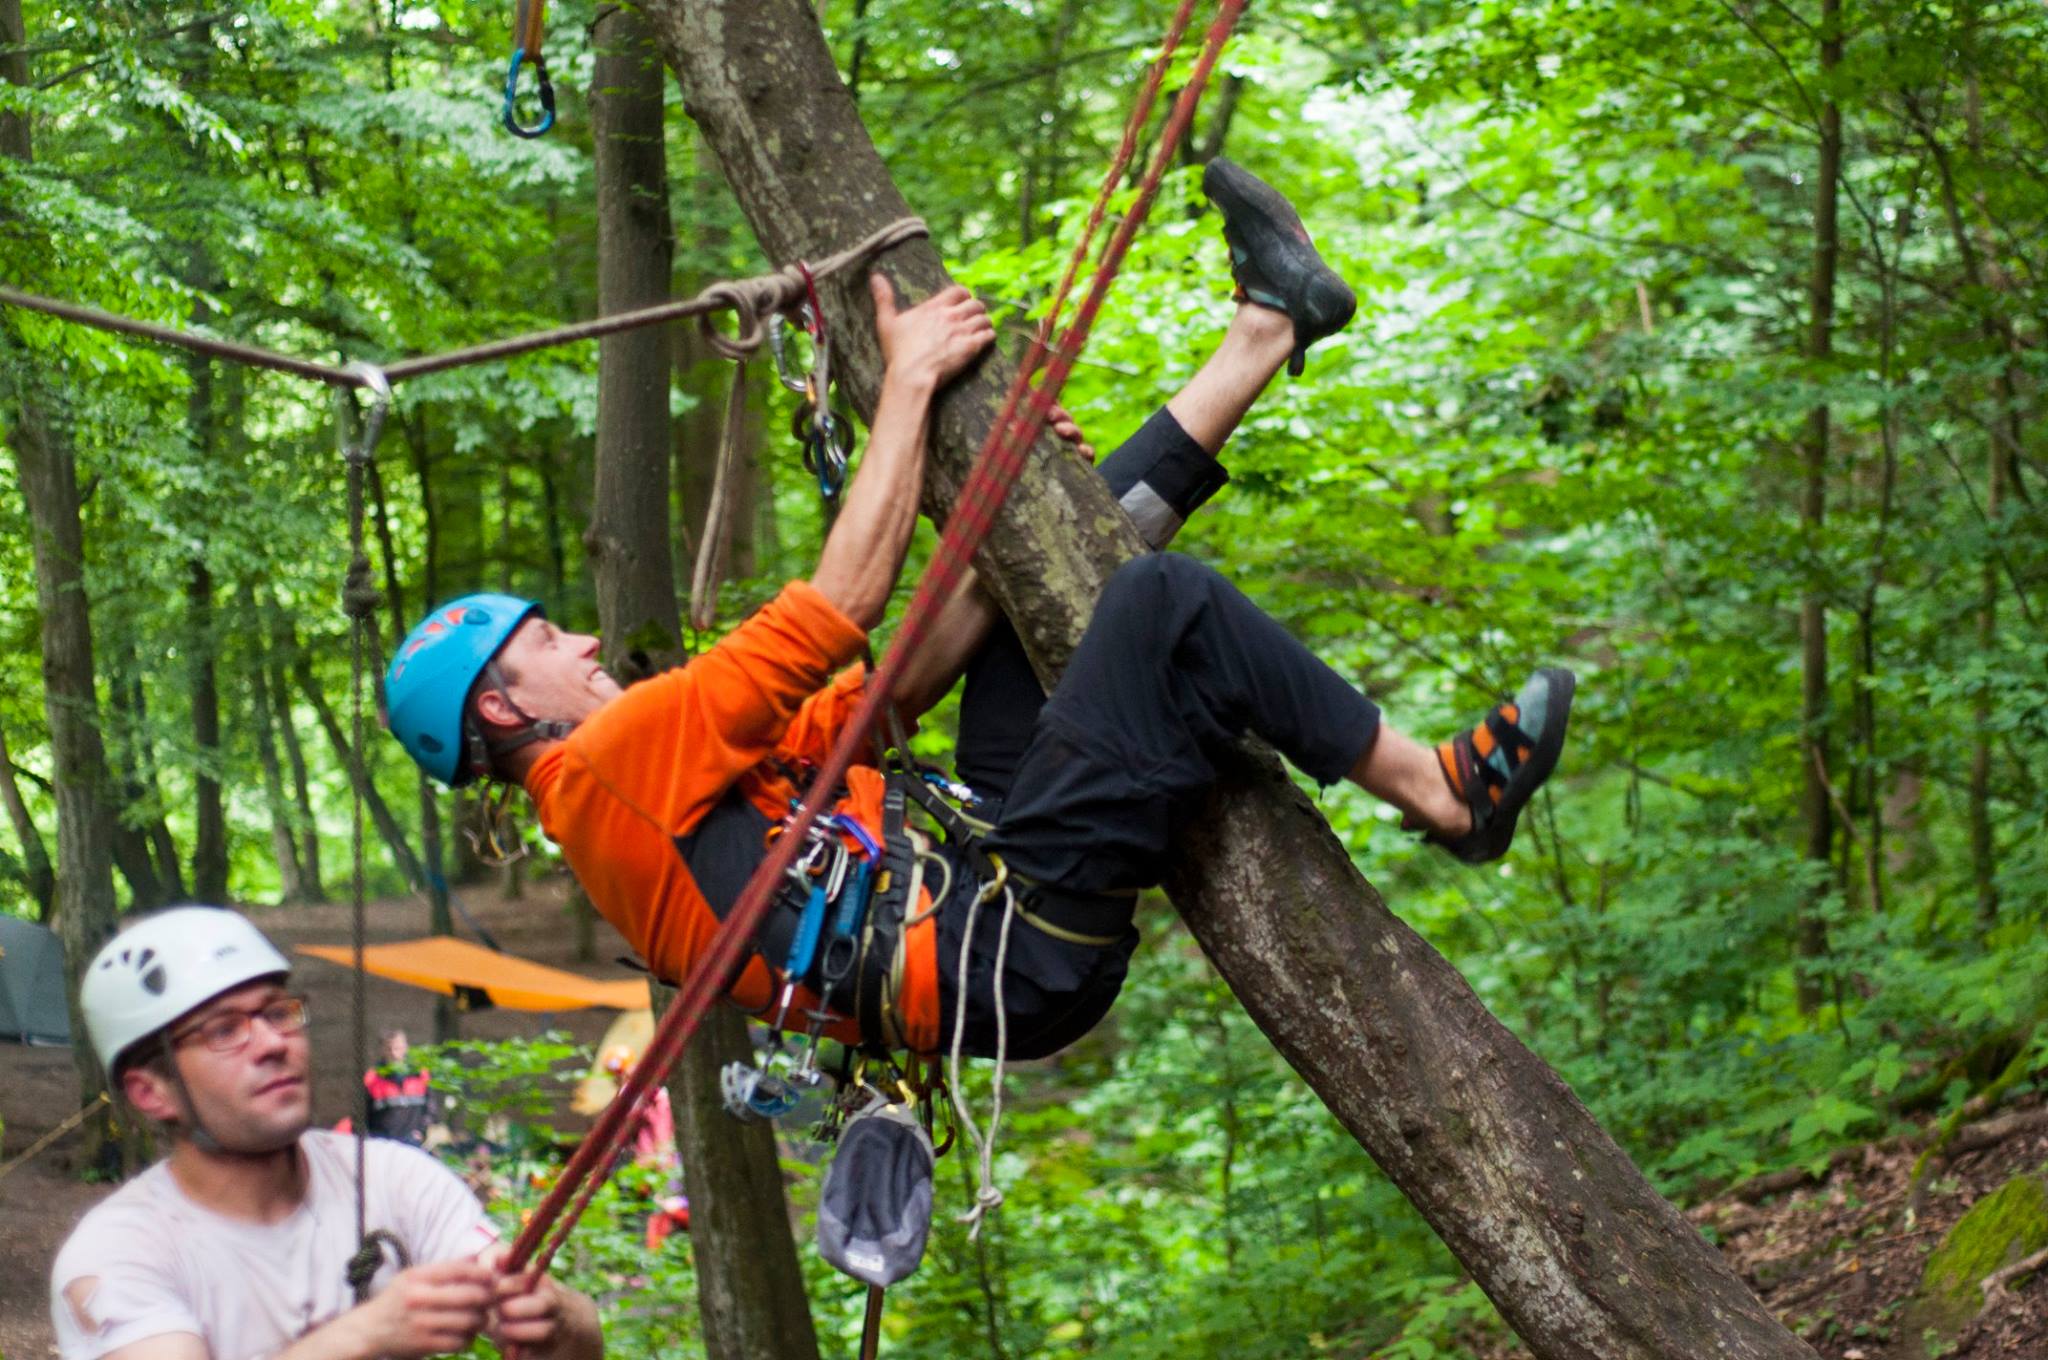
x,y
442,963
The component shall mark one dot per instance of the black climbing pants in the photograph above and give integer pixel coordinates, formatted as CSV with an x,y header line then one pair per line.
x,y
1174,663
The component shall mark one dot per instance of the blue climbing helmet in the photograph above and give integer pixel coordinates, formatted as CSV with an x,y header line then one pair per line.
x,y
426,691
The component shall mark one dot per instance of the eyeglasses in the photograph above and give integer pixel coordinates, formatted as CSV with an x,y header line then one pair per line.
x,y
228,1031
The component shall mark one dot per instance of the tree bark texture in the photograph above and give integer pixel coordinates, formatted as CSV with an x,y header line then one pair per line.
x,y
750,1286
1556,1224
628,535
1816,806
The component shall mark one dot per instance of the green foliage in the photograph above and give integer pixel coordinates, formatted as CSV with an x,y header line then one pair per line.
x,y
1566,425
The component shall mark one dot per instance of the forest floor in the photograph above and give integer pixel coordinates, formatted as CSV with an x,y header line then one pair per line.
x,y
1837,1260
41,1201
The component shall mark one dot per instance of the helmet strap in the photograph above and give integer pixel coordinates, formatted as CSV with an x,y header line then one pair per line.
x,y
482,750
196,1131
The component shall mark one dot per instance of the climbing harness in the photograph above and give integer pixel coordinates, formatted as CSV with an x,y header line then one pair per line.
x,y
529,29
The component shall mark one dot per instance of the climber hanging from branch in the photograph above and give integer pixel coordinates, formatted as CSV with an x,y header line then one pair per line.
x,y
665,797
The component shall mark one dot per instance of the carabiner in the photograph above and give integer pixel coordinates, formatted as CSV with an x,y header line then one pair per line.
x,y
547,96
778,345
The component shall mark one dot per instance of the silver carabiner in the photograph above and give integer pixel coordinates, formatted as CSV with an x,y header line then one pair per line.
x,y
778,345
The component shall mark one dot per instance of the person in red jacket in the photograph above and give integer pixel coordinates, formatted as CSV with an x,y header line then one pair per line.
x,y
663,797
401,1095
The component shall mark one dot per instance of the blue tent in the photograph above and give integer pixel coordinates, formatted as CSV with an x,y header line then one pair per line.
x,y
32,1005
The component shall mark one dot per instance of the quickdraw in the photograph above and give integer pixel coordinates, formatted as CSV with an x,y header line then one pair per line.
x,y
825,437
529,30
834,881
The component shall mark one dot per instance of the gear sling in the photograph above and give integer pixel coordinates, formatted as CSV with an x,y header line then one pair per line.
x,y
836,924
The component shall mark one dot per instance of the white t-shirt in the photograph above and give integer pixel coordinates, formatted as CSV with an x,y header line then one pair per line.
x,y
164,1264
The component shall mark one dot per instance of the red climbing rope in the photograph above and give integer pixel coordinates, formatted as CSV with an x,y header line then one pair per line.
x,y
996,467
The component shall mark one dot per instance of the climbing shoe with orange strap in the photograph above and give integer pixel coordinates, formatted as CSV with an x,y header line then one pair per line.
x,y
1272,259
1496,768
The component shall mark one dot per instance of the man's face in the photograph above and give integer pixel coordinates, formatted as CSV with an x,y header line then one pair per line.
x,y
254,1097
550,673
396,1046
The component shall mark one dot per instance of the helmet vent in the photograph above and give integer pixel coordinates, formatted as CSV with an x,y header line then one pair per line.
x,y
153,981
476,616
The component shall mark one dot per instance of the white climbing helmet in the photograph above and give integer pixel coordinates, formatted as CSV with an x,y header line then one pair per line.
x,y
164,965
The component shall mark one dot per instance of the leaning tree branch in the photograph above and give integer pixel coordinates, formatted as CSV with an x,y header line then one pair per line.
x,y
1584,1259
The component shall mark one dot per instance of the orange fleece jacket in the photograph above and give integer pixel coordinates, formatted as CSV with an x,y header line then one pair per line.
x,y
649,765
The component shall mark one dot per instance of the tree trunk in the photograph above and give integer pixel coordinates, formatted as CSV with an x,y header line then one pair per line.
x,y
284,844
1816,808
338,737
1579,1253
313,887
628,535
35,857
750,1286
210,835
143,849
43,460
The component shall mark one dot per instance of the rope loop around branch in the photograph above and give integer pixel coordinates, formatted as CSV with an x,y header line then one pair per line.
x,y
372,380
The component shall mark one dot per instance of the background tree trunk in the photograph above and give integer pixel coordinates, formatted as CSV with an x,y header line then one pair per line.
x,y
84,914
338,737
35,858
1816,806
1556,1224
210,834
278,647
284,842
750,1286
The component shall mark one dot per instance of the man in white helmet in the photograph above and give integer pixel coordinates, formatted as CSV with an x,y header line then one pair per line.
x,y
238,1244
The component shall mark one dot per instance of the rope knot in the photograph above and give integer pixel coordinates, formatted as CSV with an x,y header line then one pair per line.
x,y
369,1259
360,597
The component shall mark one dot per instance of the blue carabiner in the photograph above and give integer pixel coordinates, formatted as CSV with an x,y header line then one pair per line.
x,y
547,96
851,826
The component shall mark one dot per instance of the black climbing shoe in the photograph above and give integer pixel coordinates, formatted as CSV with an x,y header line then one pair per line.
x,y
1496,768
1272,259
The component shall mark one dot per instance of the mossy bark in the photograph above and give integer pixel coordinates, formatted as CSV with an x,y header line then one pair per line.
x,y
1581,1255
2009,1223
